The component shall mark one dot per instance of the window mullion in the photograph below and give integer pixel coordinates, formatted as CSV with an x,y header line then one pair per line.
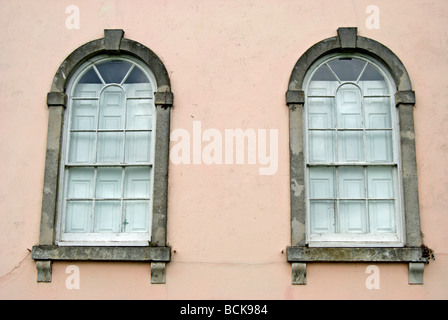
x,y
366,186
336,213
127,74
123,213
99,75
95,177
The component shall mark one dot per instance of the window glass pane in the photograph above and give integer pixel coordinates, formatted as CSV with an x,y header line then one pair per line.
x,y
382,216
324,74
320,113
113,71
379,146
137,183
87,90
139,114
80,183
372,82
351,183
381,182
78,217
84,115
108,184
90,77
347,69
139,90
138,147
349,107
322,217
137,76
350,146
322,88
110,147
82,146
107,216
321,146
137,216
112,105
322,183
352,217
378,113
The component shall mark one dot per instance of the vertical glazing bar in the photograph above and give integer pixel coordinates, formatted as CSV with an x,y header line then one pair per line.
x,y
366,186
95,161
337,227
95,177
125,125
123,211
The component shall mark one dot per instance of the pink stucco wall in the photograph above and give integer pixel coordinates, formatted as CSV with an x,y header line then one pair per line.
x,y
229,62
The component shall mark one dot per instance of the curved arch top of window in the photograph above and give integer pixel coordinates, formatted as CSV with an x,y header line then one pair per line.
x,y
348,68
124,72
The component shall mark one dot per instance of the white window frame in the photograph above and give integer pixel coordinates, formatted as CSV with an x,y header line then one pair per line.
x,y
101,239
357,240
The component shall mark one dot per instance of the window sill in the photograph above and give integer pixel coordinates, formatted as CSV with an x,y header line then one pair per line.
x,y
300,256
157,256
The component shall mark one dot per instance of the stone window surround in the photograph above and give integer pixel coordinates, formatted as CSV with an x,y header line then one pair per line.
x,y
158,253
299,254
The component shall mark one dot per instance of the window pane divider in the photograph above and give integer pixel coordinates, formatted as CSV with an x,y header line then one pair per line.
x,y
352,199
110,130
108,199
139,98
349,164
86,98
123,213
101,165
351,129
377,96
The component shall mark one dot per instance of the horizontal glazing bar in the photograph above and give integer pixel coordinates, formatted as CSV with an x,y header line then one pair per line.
x,y
139,98
353,129
365,96
351,199
102,165
112,130
85,98
108,199
350,164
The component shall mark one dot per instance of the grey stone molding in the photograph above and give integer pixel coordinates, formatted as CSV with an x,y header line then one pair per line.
x,y
113,43
299,254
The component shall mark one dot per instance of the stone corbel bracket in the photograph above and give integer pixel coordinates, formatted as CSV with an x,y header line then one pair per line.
x,y
300,256
157,256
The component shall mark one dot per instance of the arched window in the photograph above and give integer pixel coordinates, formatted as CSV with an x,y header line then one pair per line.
x,y
106,170
354,190
108,154
352,154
